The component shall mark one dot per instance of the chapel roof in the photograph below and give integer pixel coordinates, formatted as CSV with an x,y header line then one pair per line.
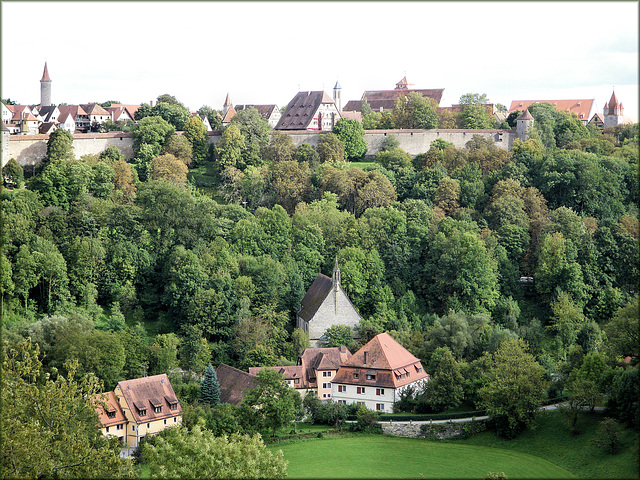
x,y
314,297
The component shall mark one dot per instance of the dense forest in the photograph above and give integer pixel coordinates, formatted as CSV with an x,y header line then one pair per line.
x,y
193,254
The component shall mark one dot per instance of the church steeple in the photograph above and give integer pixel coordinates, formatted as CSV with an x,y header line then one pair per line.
x,y
336,276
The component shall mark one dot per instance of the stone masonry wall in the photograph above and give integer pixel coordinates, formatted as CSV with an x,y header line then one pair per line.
x,y
31,149
429,430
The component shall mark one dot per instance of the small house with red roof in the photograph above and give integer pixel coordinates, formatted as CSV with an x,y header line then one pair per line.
x,y
376,374
139,407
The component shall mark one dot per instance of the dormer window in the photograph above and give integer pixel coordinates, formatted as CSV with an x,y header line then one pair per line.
x,y
142,412
111,414
356,375
157,409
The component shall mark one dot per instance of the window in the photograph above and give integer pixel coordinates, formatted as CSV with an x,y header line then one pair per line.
x,y
165,421
360,390
111,414
120,426
175,419
296,381
342,401
157,409
360,403
326,374
326,385
371,376
342,388
142,412
107,429
379,406
133,428
173,406
356,375
148,425
379,391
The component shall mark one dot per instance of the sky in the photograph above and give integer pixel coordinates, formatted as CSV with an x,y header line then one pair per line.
x,y
265,52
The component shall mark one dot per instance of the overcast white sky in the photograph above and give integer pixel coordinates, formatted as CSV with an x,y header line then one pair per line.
x,y
265,52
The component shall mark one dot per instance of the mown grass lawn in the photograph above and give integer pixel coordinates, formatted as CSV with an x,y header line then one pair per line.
x,y
552,440
379,456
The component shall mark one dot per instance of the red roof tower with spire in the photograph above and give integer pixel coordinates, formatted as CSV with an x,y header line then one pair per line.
x,y
45,74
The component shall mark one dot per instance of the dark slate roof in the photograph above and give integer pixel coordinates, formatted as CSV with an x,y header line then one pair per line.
x,y
234,383
46,112
314,297
300,110
46,128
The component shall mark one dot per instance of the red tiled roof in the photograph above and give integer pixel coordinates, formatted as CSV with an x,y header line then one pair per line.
x,y
234,383
387,98
45,74
392,365
112,405
94,109
147,393
525,116
352,115
580,107
229,115
289,372
131,109
265,111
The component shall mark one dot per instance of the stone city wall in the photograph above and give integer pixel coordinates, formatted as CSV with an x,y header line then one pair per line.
x,y
31,149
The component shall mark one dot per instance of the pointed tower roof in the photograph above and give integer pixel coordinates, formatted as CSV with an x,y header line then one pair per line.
x,y
525,116
613,103
337,86
227,101
403,84
45,75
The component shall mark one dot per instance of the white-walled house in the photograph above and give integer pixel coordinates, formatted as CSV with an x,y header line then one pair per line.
x,y
376,374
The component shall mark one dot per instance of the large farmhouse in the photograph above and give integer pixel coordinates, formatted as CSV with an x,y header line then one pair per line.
x,y
139,407
376,374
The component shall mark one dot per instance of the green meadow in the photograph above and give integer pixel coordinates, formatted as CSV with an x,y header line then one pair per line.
x,y
378,456
547,451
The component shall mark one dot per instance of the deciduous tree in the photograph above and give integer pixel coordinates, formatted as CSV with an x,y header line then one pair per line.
x,y
515,388
180,452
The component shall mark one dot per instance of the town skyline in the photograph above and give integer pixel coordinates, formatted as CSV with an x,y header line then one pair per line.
x,y
184,65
